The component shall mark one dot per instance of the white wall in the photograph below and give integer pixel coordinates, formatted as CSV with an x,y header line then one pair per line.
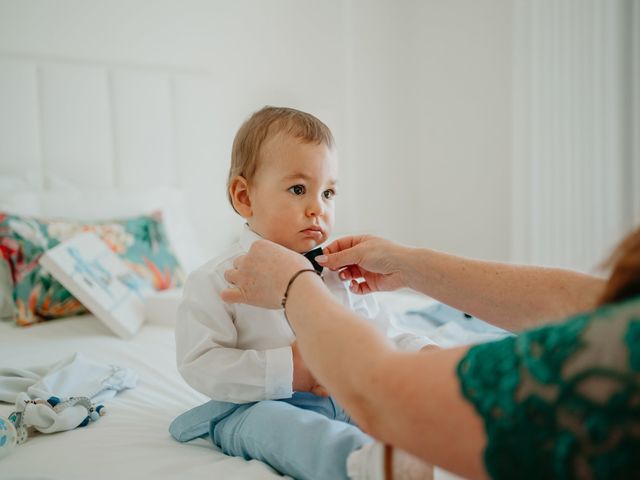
x,y
417,93
432,88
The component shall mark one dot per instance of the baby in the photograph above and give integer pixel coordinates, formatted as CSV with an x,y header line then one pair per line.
x,y
266,405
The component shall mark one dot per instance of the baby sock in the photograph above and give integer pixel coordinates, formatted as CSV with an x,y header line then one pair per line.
x,y
408,467
367,463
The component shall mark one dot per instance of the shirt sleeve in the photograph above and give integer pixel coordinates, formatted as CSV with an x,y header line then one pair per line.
x,y
206,353
561,401
410,342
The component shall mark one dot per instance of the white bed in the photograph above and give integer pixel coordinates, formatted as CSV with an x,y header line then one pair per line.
x,y
132,439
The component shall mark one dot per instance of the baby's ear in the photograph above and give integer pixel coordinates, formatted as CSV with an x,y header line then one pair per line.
x,y
239,192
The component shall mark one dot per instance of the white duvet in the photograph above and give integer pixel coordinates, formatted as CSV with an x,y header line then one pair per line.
x,y
132,440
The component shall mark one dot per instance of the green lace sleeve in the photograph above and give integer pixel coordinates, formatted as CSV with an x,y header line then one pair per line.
x,y
562,401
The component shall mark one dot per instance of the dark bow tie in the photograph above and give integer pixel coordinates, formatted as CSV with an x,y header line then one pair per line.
x,y
311,256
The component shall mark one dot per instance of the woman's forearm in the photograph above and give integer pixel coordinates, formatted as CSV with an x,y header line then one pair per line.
x,y
411,401
334,338
510,296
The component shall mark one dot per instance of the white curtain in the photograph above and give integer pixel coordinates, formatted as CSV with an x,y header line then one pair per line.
x,y
576,187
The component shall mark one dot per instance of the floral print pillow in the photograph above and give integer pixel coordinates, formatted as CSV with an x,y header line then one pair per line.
x,y
140,241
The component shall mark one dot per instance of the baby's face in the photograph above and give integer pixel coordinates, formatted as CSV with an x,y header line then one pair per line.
x,y
292,193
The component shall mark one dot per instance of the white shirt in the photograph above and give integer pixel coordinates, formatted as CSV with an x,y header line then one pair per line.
x,y
240,353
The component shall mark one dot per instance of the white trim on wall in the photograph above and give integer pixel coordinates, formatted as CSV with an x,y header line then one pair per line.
x,y
634,156
575,129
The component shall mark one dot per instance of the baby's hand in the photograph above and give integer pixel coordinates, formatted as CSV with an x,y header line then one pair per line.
x,y
303,380
320,391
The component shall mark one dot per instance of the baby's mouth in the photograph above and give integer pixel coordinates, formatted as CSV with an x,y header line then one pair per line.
x,y
313,232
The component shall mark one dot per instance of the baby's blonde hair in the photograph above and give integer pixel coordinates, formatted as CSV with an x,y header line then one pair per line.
x,y
265,124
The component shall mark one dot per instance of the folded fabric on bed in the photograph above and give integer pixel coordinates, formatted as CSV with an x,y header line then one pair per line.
x,y
73,376
36,296
439,314
62,396
449,327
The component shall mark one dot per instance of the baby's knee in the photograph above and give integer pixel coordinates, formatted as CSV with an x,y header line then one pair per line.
x,y
229,433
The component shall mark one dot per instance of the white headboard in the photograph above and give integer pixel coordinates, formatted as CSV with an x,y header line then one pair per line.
x,y
96,126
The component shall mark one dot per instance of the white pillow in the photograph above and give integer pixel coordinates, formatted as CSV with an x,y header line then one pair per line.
x,y
17,197
104,204
20,203
161,308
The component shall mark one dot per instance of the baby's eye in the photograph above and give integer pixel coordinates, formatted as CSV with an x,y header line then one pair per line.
x,y
297,190
329,194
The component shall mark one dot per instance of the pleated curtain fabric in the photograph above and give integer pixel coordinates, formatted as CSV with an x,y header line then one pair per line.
x,y
576,138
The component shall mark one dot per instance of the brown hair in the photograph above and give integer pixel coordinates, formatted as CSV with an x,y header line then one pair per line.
x,y
264,124
624,281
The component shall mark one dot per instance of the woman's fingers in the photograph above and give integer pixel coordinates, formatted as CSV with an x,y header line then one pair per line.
x,y
231,276
341,253
360,288
232,295
356,275
345,274
351,272
342,243
238,261
336,261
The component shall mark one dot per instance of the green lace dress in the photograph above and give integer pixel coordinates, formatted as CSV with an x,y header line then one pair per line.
x,y
562,401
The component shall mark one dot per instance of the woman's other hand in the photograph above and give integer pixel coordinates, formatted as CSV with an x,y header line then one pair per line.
x,y
372,264
260,277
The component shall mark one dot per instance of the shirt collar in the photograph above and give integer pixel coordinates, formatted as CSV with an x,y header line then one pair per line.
x,y
247,237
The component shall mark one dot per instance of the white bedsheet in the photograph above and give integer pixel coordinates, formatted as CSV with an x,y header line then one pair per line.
x,y
132,440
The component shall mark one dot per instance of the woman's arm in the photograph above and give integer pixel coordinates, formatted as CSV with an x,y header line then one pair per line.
x,y
409,400
514,297
510,296
425,403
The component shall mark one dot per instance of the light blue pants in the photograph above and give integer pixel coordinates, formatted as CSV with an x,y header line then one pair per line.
x,y
305,437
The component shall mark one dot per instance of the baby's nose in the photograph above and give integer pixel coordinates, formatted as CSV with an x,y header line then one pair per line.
x,y
315,208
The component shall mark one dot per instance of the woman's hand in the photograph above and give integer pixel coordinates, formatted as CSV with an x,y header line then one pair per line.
x,y
377,262
260,277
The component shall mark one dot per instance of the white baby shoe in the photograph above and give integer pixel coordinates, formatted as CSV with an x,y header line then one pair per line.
x,y
408,467
367,463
